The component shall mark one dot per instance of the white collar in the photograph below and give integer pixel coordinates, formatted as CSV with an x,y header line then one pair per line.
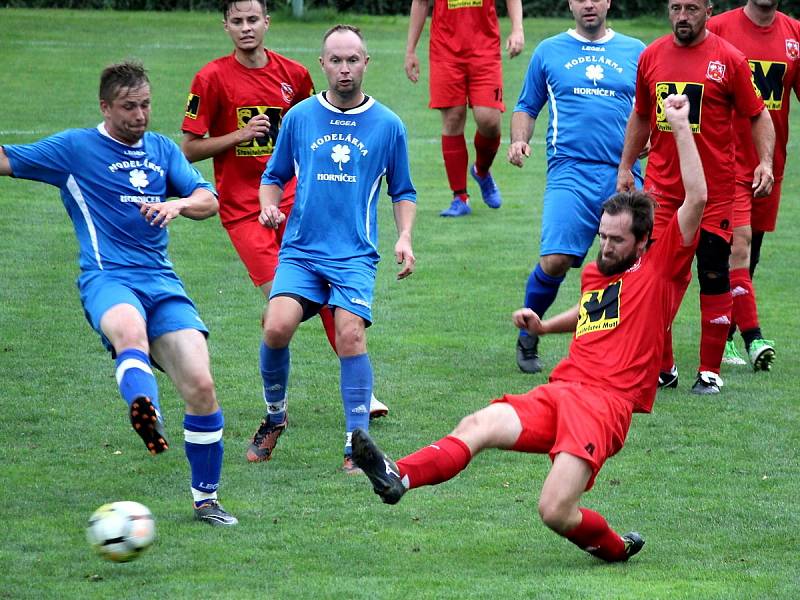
x,y
609,34
103,131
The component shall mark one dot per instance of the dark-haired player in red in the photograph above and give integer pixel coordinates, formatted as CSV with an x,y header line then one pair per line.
x,y
771,42
581,417
466,71
234,112
716,78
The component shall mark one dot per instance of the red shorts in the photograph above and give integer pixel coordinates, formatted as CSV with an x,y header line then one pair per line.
x,y
257,247
717,216
581,420
760,213
467,83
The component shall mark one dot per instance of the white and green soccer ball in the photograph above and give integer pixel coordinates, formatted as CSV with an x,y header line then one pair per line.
x,y
121,531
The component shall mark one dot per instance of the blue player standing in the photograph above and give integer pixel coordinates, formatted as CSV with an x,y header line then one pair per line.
x,y
340,143
588,78
115,180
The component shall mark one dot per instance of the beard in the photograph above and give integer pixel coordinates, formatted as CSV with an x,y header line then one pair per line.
x,y
686,36
609,267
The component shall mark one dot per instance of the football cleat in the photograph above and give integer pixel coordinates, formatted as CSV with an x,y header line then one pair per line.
x,y
349,467
707,383
762,353
457,209
264,440
668,379
633,543
380,469
731,355
148,424
489,190
528,354
377,409
211,512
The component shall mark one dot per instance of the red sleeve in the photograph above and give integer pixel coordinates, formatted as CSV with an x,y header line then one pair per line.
x,y
671,256
643,98
200,106
306,88
746,97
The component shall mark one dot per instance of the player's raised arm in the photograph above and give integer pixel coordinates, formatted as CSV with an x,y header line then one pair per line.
x,y
690,212
5,164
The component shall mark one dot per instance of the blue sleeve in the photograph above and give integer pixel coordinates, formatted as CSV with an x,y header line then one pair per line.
x,y
182,177
398,176
280,166
46,160
534,87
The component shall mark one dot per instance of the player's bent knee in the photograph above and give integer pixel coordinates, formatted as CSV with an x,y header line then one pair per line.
x,y
200,394
556,515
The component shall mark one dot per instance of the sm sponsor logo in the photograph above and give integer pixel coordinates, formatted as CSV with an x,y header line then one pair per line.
x,y
768,78
599,309
260,146
694,91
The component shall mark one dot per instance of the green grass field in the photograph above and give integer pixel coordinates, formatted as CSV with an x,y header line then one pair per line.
x,y
711,483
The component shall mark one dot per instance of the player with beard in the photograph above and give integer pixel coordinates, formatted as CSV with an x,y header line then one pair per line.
x,y
771,42
717,79
582,415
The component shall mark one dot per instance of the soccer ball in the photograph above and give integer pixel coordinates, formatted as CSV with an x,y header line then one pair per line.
x,y
121,531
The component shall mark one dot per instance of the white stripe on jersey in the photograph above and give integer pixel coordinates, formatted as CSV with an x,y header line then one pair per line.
x,y
76,193
373,194
554,123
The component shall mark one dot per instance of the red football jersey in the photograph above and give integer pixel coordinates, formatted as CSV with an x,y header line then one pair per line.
x,y
623,318
716,78
774,56
464,30
224,96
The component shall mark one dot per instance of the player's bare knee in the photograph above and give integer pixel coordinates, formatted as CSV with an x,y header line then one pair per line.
x,y
555,514
200,393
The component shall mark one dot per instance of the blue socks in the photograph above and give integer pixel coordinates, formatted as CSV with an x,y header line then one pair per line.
x,y
203,445
356,387
274,363
541,291
135,377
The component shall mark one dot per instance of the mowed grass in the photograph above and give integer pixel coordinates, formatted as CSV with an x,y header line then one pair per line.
x,y
711,483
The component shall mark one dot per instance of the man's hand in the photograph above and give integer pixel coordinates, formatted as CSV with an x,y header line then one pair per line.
x,y
676,109
161,213
412,66
518,152
271,217
625,181
515,43
404,255
763,179
526,319
257,127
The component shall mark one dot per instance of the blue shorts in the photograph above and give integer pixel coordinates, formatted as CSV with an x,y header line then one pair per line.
x,y
573,200
159,297
344,285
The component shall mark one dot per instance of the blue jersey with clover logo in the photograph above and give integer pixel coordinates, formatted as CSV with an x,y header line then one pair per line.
x,y
589,87
340,159
103,182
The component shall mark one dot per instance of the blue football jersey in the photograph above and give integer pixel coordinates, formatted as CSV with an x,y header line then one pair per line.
x,y
590,88
102,183
340,159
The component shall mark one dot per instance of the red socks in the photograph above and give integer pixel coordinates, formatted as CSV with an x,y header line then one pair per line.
x,y
436,463
595,537
485,151
330,328
715,321
745,313
454,152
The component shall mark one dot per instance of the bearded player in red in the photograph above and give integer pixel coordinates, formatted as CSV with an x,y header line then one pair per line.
x,y
716,77
771,42
234,113
581,417
466,71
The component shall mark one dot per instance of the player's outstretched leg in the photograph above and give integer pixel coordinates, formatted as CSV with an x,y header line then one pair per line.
x,y
379,468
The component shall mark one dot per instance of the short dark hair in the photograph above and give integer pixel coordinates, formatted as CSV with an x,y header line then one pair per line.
x,y
340,28
640,205
226,6
128,74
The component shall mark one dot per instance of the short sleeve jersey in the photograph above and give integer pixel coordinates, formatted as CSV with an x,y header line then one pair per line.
x,y
463,30
773,53
623,318
589,87
716,78
224,96
340,159
102,183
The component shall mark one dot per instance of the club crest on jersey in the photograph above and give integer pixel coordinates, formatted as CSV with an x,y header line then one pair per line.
x,y
287,91
715,71
793,49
